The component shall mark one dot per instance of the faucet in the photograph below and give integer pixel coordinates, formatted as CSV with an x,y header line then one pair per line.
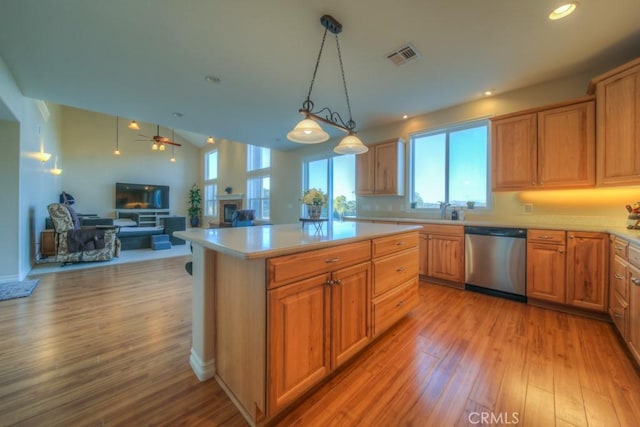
x,y
443,209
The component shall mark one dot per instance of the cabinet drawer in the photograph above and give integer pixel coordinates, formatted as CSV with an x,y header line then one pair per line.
x,y
289,268
619,282
391,244
546,236
620,247
392,270
634,256
619,312
392,306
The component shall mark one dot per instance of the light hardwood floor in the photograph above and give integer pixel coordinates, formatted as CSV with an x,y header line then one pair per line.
x,y
110,346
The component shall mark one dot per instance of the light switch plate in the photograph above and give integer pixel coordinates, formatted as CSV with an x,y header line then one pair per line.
x,y
527,208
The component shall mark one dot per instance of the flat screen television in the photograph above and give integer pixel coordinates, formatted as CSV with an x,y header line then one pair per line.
x,y
141,196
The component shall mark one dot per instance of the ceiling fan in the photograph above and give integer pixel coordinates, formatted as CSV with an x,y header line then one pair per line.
x,y
158,140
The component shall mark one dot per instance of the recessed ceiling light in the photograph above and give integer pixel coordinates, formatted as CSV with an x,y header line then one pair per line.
x,y
487,93
405,117
178,115
563,10
212,79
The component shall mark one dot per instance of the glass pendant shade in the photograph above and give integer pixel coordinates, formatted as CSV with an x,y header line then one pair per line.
x,y
154,147
133,125
308,131
161,147
351,144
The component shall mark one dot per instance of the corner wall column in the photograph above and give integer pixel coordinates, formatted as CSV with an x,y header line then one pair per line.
x,y
202,358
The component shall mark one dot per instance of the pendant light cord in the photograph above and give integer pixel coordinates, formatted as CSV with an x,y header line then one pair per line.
x,y
350,124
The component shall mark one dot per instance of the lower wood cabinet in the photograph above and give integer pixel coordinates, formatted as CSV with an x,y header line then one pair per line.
x,y
634,312
315,325
546,265
441,253
587,271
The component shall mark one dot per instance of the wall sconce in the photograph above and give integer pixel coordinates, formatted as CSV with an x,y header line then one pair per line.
x,y
44,157
133,125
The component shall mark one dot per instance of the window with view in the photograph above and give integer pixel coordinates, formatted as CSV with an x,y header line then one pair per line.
x,y
450,165
336,177
211,183
259,181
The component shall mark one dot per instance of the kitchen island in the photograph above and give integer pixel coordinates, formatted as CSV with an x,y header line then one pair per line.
x,y
276,309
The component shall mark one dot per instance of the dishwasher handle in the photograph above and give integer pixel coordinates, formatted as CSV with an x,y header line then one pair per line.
x,y
496,231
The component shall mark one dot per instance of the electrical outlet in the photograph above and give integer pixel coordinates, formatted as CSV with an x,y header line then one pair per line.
x,y
527,208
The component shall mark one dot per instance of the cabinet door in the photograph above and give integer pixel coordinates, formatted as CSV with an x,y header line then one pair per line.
x,y
388,180
618,124
365,169
350,311
546,272
423,250
514,152
446,258
567,146
634,312
587,273
298,339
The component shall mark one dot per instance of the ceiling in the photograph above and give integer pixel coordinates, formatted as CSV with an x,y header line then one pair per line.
x,y
147,59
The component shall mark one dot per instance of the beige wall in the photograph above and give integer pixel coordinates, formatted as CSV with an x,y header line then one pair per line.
x,y
585,207
90,169
286,178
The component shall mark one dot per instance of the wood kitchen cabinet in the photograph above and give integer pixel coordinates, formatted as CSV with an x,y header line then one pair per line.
x,y
315,325
545,148
546,265
441,250
634,307
619,285
380,171
618,124
587,272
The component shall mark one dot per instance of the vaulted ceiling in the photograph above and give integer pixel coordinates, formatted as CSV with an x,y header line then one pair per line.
x,y
146,60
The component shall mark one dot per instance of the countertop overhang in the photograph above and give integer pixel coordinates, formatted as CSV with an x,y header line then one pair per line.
x,y
265,241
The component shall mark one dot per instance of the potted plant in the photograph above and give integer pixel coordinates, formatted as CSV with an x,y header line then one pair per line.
x,y
315,199
195,199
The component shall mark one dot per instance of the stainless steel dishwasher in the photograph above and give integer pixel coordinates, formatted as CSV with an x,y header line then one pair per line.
x,y
496,261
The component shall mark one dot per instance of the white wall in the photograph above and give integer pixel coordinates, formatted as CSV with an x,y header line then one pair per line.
x,y
9,172
27,177
90,169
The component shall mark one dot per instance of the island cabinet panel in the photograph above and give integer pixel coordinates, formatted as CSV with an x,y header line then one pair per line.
x,y
546,261
298,339
350,299
587,272
393,305
289,268
618,125
393,270
391,244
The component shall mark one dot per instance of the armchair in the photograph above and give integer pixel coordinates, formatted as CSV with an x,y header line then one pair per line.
x,y
78,244
243,218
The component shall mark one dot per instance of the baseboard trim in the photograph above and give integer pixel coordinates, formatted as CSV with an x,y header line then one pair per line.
x,y
9,279
203,370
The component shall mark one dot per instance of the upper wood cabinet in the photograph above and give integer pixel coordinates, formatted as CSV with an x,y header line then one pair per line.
x,y
545,148
380,171
618,123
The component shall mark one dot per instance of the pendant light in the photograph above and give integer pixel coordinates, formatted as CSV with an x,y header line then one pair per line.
x,y
133,125
117,152
308,130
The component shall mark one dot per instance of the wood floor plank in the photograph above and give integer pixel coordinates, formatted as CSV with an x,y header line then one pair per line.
x,y
110,346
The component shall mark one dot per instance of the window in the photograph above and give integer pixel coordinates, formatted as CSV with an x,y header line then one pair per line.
x,y
335,176
450,165
259,181
211,183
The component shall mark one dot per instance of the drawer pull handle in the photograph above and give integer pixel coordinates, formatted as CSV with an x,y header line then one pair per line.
x,y
400,269
619,276
618,315
546,236
561,251
619,248
635,281
400,243
332,260
401,303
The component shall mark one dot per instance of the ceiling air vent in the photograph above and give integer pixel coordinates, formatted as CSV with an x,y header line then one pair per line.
x,y
403,54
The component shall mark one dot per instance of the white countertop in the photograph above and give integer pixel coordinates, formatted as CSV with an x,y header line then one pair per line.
x,y
631,235
264,241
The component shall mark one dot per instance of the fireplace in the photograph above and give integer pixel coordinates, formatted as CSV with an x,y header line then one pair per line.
x,y
226,208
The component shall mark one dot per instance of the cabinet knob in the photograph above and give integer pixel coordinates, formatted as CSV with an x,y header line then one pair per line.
x,y
561,251
533,183
401,303
330,282
337,282
635,281
571,236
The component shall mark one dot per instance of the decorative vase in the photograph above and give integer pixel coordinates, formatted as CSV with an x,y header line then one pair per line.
x,y
195,221
314,211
